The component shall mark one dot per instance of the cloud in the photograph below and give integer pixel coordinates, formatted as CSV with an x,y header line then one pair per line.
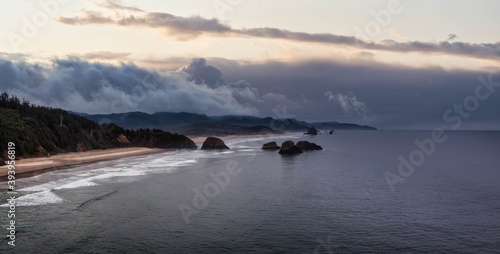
x,y
452,37
399,96
104,55
118,5
86,18
350,104
185,28
13,56
93,87
181,27
201,73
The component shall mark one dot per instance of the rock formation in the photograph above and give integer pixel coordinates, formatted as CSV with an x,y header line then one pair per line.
x,y
308,146
213,143
312,131
289,147
270,146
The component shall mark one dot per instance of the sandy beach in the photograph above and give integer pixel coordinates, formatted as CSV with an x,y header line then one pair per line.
x,y
70,159
32,165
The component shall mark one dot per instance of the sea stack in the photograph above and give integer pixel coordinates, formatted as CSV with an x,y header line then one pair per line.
x,y
308,146
213,143
289,147
270,146
312,131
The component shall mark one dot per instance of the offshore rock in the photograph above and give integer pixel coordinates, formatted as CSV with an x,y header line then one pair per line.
x,y
270,146
289,147
308,146
312,131
213,143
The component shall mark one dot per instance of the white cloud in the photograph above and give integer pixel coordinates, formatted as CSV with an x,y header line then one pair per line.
x,y
93,87
350,104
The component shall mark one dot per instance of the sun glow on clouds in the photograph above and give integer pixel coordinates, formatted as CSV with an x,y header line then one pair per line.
x,y
136,33
195,35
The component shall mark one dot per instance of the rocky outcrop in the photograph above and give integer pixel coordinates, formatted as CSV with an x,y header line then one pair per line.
x,y
213,143
123,139
312,131
331,132
289,147
308,146
160,139
270,146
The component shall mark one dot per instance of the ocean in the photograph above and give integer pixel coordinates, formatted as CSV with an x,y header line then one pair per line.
x,y
366,192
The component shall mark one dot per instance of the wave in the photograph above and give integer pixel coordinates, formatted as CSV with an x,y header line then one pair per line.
x,y
39,198
127,169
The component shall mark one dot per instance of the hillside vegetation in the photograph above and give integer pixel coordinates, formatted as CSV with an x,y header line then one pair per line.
x,y
40,131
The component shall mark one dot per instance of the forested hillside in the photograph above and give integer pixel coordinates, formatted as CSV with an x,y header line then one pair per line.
x,y
40,131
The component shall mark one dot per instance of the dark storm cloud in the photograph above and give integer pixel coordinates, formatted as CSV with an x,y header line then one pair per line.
x,y
381,95
78,85
201,73
376,94
193,26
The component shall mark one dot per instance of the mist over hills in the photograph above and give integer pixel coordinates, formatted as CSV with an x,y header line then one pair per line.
x,y
201,124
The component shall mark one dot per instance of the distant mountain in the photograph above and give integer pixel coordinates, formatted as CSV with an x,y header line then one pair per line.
x,y
163,120
197,124
40,131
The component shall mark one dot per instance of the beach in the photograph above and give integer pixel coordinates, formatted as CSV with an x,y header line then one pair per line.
x,y
40,164
30,165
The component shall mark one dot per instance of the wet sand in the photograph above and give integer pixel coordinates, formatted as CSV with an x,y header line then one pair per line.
x,y
24,166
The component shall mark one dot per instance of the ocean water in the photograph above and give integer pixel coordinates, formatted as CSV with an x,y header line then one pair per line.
x,y
246,200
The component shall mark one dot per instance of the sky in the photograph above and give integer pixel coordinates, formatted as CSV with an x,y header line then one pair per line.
x,y
393,64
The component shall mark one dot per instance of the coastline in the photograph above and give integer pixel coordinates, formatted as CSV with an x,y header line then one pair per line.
x,y
32,166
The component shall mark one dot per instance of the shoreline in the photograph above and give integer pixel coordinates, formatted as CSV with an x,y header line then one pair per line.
x,y
33,166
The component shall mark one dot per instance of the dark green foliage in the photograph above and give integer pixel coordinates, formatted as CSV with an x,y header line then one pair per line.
x,y
39,131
